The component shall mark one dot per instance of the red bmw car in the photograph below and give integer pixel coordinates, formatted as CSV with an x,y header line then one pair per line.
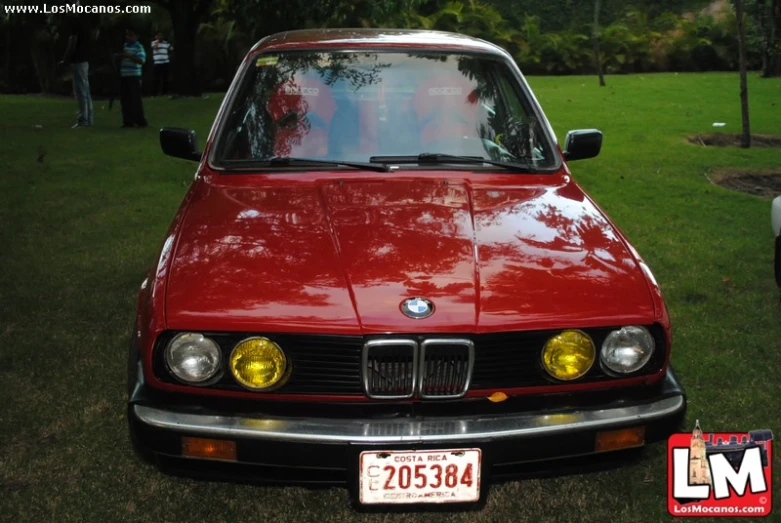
x,y
384,276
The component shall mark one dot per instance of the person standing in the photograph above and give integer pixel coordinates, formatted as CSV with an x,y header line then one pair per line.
x,y
161,60
77,53
130,71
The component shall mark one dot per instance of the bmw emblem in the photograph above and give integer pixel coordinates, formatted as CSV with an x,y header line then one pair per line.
x,y
417,308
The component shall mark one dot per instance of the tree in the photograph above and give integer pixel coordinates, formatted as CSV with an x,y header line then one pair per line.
x,y
186,17
595,37
770,13
745,138
471,17
259,18
566,14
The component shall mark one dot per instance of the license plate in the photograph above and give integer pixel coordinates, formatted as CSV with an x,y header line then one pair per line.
x,y
425,476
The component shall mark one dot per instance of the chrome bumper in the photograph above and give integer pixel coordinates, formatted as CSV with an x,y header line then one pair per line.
x,y
438,430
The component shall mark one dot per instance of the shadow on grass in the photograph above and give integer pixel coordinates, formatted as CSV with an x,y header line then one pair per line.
x,y
281,477
733,140
757,182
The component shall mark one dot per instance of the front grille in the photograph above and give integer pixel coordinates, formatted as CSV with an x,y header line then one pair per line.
x,y
408,427
446,367
390,368
399,366
510,360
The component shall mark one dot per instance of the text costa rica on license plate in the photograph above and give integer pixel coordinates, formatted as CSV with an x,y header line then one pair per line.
x,y
425,476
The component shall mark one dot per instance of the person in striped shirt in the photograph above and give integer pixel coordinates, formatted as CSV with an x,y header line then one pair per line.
x,y
130,72
160,50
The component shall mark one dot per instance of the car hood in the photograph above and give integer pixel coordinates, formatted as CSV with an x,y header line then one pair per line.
x,y
340,256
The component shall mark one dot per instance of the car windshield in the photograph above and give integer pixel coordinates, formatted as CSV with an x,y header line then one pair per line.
x,y
381,107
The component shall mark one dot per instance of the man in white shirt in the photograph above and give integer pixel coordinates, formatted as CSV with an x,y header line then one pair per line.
x,y
161,60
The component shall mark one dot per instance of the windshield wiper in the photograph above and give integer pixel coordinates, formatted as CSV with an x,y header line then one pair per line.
x,y
452,158
281,161
286,161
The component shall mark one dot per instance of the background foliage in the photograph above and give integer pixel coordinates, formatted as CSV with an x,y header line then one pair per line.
x,y
551,37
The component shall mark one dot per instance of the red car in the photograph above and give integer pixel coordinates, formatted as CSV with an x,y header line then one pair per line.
x,y
384,276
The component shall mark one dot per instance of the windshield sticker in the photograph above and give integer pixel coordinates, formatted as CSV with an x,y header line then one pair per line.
x,y
266,60
443,91
302,91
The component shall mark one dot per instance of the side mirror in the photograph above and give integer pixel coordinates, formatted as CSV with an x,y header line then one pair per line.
x,y
180,143
582,144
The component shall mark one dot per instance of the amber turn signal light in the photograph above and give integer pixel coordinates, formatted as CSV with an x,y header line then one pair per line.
x,y
497,397
209,448
619,439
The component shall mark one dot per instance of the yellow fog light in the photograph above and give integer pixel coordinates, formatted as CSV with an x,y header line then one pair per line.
x,y
259,364
568,355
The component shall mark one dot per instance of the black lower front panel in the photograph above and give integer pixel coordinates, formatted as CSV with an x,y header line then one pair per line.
x,y
287,462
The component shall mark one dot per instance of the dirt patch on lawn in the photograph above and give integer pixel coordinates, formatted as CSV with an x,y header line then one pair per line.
x,y
765,184
733,140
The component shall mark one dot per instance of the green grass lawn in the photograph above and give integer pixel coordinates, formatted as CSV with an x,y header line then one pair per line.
x,y
83,213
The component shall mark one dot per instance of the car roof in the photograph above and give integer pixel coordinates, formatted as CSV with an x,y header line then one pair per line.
x,y
374,38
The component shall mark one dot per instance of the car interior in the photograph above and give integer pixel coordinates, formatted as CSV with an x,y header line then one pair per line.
x,y
404,108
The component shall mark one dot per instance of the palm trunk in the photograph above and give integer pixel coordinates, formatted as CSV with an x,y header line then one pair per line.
x,y
595,38
771,58
185,17
7,65
40,71
745,138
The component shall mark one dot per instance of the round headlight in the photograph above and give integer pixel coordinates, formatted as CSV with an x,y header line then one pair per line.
x,y
193,358
258,364
568,355
627,349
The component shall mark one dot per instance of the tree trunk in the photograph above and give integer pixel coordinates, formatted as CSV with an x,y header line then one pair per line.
x,y
42,67
185,18
38,73
771,56
745,137
595,38
7,65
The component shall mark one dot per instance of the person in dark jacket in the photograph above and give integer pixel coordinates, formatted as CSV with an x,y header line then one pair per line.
x,y
77,54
